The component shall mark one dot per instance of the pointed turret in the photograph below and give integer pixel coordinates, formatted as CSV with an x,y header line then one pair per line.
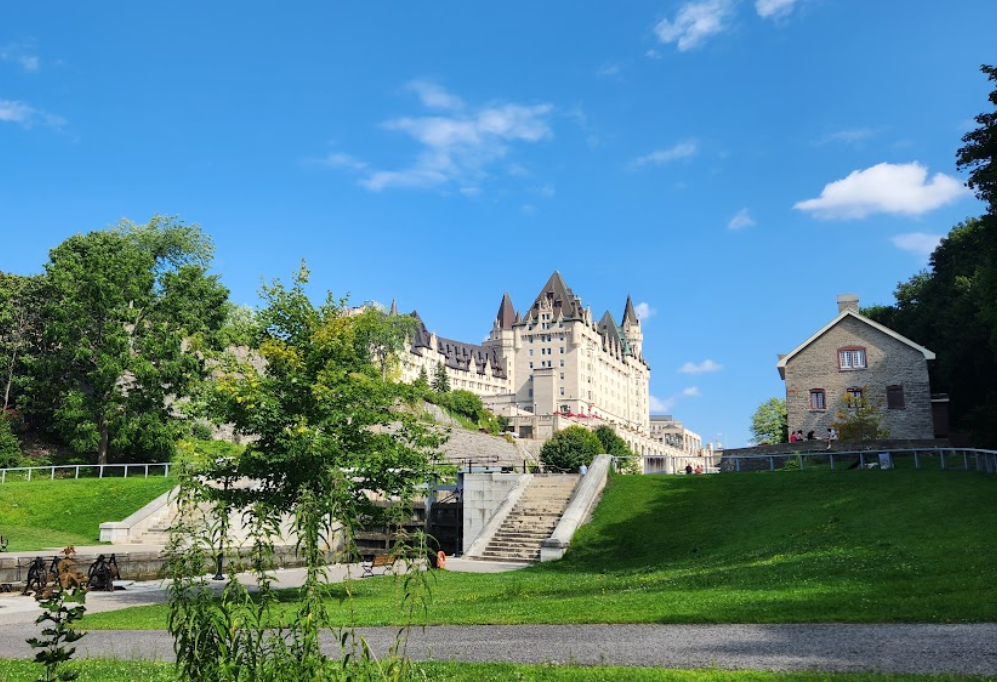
x,y
629,315
556,297
394,308
506,313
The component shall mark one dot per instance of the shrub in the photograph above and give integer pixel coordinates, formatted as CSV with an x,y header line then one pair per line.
x,y
10,446
569,449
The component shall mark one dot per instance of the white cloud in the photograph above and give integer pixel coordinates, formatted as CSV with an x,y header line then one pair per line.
x,y
21,54
340,160
919,243
434,96
682,150
701,368
741,220
644,311
884,188
13,111
691,391
458,147
847,136
658,405
775,9
695,22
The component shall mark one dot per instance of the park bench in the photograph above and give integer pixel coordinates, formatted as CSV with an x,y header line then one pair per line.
x,y
383,561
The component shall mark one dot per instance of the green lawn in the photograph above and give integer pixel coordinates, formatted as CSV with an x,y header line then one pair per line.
x,y
785,547
101,670
42,514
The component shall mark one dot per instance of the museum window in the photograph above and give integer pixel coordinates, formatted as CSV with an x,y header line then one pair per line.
x,y
851,357
817,399
895,398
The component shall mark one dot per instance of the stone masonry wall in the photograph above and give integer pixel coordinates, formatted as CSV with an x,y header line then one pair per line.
x,y
888,362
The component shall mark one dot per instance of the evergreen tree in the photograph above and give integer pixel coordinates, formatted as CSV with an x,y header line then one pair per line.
x,y
441,382
421,382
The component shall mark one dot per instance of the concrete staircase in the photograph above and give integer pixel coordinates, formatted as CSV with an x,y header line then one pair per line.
x,y
532,520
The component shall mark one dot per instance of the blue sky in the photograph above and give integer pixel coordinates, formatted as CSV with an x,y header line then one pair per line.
x,y
733,165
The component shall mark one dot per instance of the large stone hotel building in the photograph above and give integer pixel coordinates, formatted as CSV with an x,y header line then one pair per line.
x,y
553,366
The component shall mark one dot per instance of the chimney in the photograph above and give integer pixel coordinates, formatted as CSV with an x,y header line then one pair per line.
x,y
848,302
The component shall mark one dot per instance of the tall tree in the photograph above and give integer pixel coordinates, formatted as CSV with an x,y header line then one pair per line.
x,y
21,300
769,423
441,382
979,153
858,418
125,314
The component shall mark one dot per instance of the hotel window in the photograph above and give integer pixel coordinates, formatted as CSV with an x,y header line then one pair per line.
x,y
817,401
562,363
562,376
531,352
562,350
851,358
562,390
895,398
531,365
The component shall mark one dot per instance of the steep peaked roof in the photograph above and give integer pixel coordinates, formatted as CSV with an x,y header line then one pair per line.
x,y
612,332
559,297
784,359
506,314
628,313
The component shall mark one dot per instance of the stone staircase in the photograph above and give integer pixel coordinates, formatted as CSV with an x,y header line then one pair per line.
x,y
532,520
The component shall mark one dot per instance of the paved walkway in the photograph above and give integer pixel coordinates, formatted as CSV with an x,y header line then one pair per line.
x,y
961,649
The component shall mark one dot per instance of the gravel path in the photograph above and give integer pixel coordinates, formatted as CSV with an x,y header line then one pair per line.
x,y
962,649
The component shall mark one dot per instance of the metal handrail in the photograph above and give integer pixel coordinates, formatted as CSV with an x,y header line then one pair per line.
x,y
88,468
988,457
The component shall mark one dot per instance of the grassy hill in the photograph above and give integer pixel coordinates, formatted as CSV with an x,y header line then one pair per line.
x,y
786,547
44,514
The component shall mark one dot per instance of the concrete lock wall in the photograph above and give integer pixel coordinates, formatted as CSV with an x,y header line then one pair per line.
x,y
483,494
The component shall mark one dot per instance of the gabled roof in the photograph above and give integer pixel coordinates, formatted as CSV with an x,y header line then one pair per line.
x,y
611,331
628,313
784,359
506,314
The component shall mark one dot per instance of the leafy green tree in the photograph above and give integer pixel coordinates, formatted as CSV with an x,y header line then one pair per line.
x,y
568,449
441,382
386,335
21,301
421,382
979,153
858,418
10,446
326,442
127,311
239,327
947,309
611,443
769,423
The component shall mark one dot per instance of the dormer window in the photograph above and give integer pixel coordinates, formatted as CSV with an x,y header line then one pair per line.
x,y
851,357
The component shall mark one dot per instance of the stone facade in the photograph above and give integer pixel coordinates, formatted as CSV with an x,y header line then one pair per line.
x,y
855,354
665,429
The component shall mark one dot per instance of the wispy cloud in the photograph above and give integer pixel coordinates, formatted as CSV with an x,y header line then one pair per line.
x,y
691,391
13,111
704,367
919,243
741,220
846,136
644,311
661,404
610,69
695,22
435,97
885,188
681,150
340,160
775,9
21,54
459,146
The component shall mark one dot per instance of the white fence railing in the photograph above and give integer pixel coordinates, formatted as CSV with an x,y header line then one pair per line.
x,y
87,470
963,459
